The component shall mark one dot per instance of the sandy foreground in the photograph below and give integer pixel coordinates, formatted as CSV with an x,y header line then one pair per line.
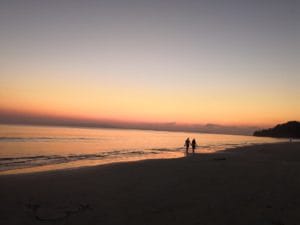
x,y
256,185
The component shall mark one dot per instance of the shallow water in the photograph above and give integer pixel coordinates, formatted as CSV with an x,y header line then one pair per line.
x,y
38,148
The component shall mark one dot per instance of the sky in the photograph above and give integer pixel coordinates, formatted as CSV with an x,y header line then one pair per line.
x,y
229,62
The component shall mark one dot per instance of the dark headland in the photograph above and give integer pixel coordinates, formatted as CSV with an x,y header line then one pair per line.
x,y
256,185
287,130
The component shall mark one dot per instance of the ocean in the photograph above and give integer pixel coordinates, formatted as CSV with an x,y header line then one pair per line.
x,y
26,149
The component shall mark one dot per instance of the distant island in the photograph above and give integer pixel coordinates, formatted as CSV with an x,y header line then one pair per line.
x,y
290,129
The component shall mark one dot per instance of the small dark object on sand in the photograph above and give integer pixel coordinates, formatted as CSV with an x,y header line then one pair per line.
x,y
221,158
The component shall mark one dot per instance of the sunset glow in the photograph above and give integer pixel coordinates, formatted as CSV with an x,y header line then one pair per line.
x,y
160,62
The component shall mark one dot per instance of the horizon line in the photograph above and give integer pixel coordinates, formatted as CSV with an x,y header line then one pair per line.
x,y
14,117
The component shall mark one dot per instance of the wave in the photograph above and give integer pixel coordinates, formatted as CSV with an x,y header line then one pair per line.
x,y
22,162
9,163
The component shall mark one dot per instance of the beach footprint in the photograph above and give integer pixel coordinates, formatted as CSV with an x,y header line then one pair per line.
x,y
56,213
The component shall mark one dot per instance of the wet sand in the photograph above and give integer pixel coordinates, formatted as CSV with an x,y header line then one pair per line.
x,y
256,185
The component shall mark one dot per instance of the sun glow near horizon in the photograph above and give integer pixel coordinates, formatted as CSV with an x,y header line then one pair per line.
x,y
132,104
131,61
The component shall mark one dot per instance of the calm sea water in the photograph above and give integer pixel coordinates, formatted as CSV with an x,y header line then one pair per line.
x,y
36,148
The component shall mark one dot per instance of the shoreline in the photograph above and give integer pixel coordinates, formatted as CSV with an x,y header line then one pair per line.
x,y
79,164
256,184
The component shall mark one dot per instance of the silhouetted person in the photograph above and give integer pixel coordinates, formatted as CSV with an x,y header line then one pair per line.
x,y
187,145
194,145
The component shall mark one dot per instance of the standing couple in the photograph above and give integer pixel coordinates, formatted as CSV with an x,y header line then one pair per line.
x,y
188,143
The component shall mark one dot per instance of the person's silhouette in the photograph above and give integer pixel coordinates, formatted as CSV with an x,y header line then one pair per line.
x,y
187,145
194,145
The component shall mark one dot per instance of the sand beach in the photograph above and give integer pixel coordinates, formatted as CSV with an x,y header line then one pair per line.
x,y
250,185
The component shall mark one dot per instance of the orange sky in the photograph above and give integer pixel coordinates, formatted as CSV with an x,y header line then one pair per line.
x,y
148,105
170,61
